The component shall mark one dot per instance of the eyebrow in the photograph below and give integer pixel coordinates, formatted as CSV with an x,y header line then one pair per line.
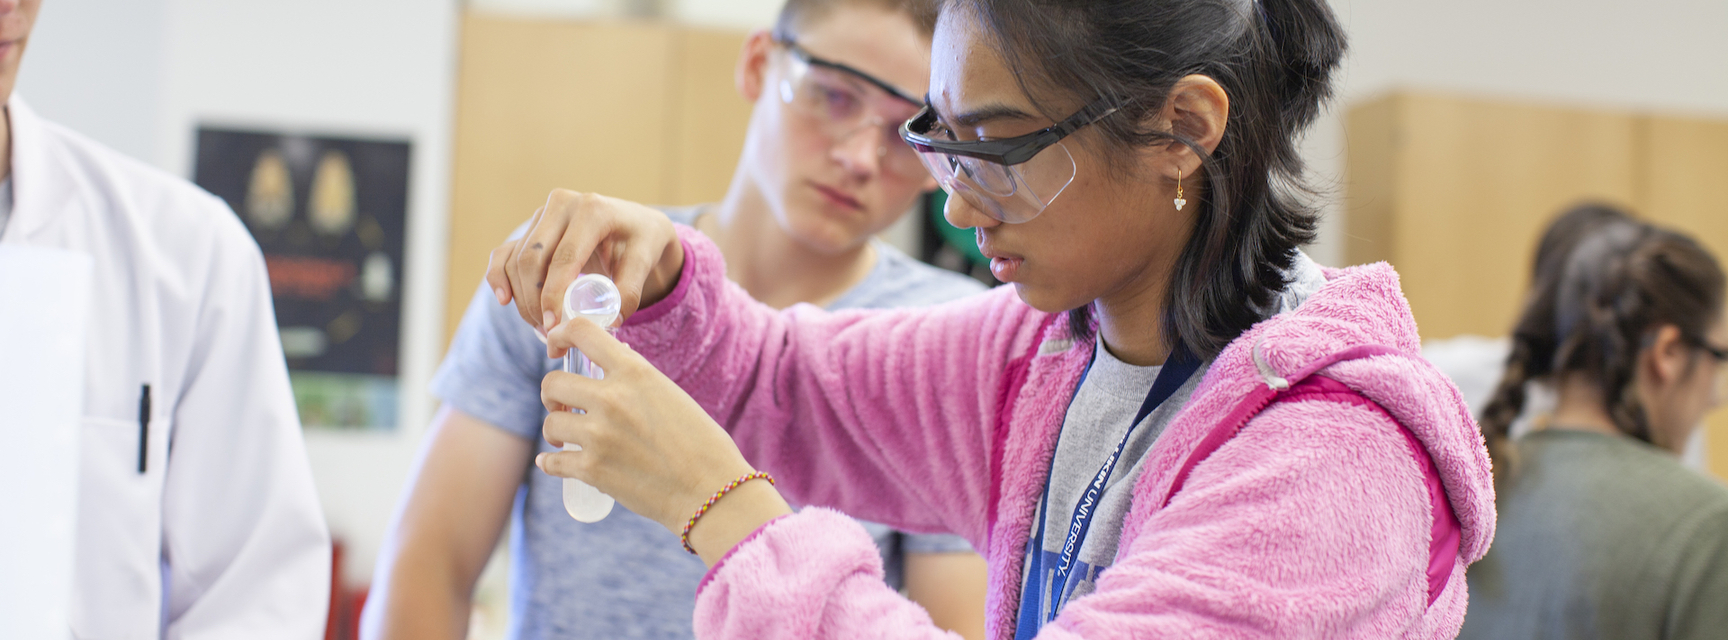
x,y
988,113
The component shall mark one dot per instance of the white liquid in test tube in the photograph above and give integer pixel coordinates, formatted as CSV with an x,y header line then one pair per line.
x,y
593,297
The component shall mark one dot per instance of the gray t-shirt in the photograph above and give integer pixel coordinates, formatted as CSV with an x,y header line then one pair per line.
x,y
1108,397
1602,536
625,576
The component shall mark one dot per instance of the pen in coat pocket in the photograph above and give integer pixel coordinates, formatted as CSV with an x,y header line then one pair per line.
x,y
143,428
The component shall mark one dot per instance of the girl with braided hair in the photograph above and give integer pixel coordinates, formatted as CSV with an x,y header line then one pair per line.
x,y
1602,533
1477,364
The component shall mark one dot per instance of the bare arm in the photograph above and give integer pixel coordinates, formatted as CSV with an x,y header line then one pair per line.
x,y
456,506
950,586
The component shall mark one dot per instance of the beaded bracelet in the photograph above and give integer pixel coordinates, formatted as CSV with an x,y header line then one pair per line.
x,y
685,537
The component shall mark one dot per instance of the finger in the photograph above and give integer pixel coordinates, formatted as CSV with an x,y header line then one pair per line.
x,y
497,276
528,270
562,391
563,427
566,464
580,239
594,342
522,297
511,271
635,263
508,266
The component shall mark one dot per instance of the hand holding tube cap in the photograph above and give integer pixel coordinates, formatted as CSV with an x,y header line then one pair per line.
x,y
595,298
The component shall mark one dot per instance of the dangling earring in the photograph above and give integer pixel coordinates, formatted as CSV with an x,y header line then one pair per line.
x,y
1179,201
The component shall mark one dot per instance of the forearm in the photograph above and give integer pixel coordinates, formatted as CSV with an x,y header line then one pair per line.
x,y
456,507
423,596
876,397
735,517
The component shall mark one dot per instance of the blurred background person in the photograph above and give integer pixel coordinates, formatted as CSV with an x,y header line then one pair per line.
x,y
822,171
197,516
1476,363
1602,533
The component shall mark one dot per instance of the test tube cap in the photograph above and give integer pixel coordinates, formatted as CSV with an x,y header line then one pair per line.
x,y
595,297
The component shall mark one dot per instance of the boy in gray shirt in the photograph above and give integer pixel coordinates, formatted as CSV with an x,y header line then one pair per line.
x,y
823,171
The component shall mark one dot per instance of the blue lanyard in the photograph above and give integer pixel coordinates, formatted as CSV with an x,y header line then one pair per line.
x,y
1177,369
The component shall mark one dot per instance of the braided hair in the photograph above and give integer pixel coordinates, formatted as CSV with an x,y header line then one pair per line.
x,y
1533,340
1593,309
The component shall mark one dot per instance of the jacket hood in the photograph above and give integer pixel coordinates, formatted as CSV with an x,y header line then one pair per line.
x,y
1364,306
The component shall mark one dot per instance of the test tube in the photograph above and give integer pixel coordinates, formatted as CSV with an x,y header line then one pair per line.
x,y
595,298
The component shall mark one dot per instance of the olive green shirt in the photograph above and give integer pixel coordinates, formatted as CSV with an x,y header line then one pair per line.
x,y
1603,536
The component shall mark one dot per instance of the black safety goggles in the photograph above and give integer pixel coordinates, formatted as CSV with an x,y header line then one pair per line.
x,y
1005,151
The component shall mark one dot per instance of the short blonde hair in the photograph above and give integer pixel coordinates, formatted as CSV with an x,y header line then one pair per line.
x,y
800,13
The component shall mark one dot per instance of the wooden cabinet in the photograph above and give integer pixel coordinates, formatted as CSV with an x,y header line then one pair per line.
x,y
1684,183
1684,177
642,111
1454,192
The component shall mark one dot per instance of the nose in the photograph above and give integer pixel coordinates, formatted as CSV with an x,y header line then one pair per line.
x,y
960,213
859,151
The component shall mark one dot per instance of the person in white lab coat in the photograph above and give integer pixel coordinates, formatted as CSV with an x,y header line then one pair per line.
x,y
197,516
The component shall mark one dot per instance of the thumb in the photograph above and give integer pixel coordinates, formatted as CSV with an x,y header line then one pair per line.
x,y
593,341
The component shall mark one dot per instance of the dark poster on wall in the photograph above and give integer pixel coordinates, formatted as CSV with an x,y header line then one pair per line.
x,y
330,215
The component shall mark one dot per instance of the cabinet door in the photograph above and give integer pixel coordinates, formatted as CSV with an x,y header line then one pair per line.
x,y
709,118
1684,184
543,105
1454,192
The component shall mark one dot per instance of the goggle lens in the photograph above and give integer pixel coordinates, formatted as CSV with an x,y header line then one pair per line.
x,y
842,106
1011,194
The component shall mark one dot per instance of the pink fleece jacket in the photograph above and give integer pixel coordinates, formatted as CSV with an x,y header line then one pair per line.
x,y
1312,522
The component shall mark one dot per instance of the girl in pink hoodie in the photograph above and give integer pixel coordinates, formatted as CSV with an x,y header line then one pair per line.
x,y
1172,425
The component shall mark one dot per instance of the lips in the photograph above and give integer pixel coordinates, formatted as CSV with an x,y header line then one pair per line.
x,y
838,197
1003,265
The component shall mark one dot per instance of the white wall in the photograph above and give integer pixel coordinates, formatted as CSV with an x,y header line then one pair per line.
x,y
374,67
97,65
739,14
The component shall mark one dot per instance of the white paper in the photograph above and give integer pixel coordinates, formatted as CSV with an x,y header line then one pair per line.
x,y
44,305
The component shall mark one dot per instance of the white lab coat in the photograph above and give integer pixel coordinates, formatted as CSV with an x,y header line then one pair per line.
x,y
222,535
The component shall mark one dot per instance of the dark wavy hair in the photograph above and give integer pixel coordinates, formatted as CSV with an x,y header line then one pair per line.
x,y
1274,58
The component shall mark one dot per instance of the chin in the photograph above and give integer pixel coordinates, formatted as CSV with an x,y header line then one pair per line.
x,y
824,239
824,235
1045,299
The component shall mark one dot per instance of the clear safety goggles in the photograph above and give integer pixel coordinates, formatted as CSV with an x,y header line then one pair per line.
x,y
844,103
1011,179
1718,357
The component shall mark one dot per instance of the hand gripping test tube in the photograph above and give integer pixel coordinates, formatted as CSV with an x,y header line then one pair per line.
x,y
593,297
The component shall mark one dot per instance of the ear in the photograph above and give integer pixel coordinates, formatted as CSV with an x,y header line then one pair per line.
x,y
751,75
1198,109
1668,357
